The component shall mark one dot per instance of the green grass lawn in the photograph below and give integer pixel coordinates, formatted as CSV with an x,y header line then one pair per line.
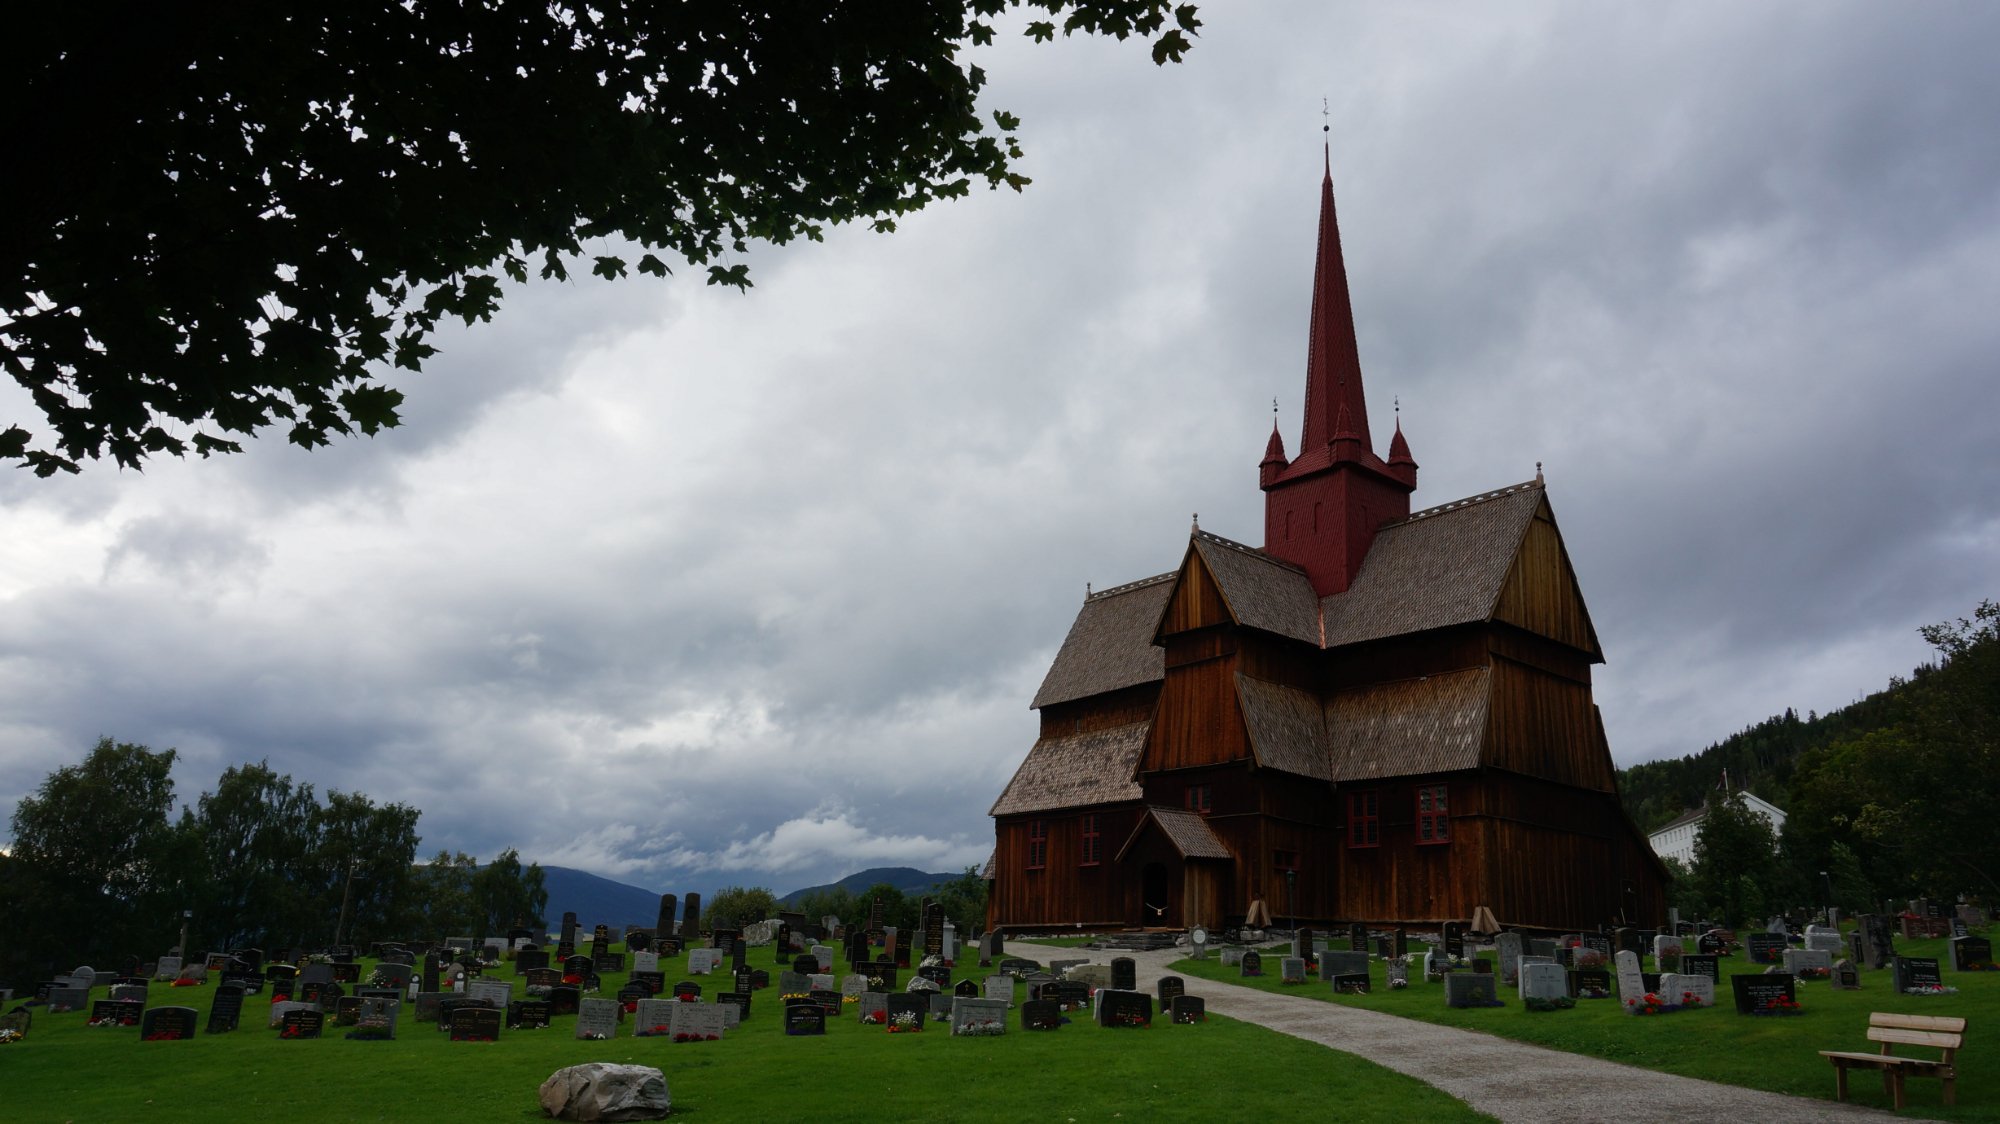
x,y
1777,1054
66,1071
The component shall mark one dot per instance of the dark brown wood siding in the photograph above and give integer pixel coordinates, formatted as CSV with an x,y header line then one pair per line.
x,y
1197,601
1540,593
1101,712
1063,892
1544,726
1199,721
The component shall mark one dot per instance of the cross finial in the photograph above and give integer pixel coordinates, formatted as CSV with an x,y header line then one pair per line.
x,y
1538,472
1086,591
1398,400
1325,117
1274,408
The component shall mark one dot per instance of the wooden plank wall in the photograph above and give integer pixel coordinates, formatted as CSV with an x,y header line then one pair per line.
x,y
1199,721
1544,726
1063,892
1101,712
1540,593
1197,601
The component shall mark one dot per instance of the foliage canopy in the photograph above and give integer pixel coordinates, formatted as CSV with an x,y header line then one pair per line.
x,y
236,219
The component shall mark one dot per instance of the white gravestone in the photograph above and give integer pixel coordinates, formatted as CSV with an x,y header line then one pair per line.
x,y
1631,981
1544,981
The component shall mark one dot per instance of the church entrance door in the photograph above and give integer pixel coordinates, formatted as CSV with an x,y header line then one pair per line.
x,y
1156,898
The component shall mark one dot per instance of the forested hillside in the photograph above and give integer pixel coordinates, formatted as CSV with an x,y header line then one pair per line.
x,y
1885,798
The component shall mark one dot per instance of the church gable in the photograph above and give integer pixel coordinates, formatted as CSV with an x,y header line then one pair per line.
x,y
1196,602
1262,592
1541,594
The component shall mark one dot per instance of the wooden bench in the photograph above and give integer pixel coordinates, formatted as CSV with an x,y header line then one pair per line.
x,y
1944,1034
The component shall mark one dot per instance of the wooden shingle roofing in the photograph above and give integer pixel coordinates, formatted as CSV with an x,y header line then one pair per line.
x,y
1432,724
1076,771
1110,645
1287,728
1263,592
1440,567
1188,832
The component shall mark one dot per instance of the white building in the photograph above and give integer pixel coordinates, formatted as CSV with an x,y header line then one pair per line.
x,y
1676,840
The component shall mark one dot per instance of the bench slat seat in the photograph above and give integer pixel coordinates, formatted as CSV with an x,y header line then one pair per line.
x,y
1943,1033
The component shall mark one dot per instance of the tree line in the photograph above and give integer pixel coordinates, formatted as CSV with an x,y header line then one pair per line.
x,y
1885,800
963,899
101,868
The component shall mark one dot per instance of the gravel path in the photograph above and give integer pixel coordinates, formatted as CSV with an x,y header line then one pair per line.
x,y
1511,1081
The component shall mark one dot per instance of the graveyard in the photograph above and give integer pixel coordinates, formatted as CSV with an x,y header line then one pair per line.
x,y
149,1048
1775,1049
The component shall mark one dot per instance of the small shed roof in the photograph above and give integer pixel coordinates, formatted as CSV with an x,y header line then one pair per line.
x,y
1110,644
1187,832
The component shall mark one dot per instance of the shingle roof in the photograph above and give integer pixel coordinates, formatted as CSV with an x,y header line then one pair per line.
x,y
1188,832
1076,771
1434,724
1263,592
1287,728
1440,567
1110,645
989,871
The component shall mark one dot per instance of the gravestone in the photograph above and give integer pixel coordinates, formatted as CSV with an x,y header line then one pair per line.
x,y
475,1024
1470,989
1824,939
909,1010
1040,1014
1335,962
1000,987
702,961
651,1017
1677,987
567,1000
1971,954
1454,940
691,920
653,982
1878,939
1188,1010
805,1019
978,1017
1906,972
936,973
1631,982
1394,970
597,1018
967,989
303,1021
1348,983
1541,947
1667,953
687,987
872,1003
1543,981
933,918
1764,948
528,1014
853,984
826,997
1125,973
1507,946
1302,944
1357,938
1252,964
1763,992
1167,989
168,968
167,1024
1402,942
1124,1009
1291,970
735,1004
1590,983
1799,961
1846,977
791,983
225,1010
1698,965
663,924
375,1019
119,1012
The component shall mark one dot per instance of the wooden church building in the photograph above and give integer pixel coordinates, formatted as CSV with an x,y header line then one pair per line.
x,y
1380,715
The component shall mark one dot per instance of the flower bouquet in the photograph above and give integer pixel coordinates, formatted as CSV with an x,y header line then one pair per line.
x,y
904,1022
1930,989
1778,1005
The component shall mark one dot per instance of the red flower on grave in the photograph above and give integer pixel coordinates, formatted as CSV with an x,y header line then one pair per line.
x,y
572,980
659,1030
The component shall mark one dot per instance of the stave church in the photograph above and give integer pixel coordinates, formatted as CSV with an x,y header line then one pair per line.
x,y
1381,715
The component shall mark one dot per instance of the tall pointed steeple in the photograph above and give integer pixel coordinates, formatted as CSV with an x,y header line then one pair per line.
x,y
1322,508
1333,360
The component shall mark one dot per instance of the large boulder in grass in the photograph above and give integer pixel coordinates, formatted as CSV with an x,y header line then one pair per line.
x,y
603,1091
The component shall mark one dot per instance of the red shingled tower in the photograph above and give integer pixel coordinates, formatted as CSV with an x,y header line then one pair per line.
x,y
1321,511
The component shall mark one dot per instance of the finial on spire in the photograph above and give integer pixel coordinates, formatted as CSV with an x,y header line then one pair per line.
x,y
1398,402
1274,408
1197,520
1086,591
1538,472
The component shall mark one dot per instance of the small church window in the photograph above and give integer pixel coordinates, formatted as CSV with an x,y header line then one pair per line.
x,y
1038,844
1364,820
1092,851
1198,799
1433,826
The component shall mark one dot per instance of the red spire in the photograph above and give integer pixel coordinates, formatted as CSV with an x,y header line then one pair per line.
x,y
1274,449
1333,361
1399,449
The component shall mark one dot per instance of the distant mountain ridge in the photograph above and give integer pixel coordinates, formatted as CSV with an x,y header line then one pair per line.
x,y
598,900
907,879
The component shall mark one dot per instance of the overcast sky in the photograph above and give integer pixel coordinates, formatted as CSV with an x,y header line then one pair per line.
x,y
687,587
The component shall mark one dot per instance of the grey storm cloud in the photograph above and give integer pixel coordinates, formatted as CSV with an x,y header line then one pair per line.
x,y
690,588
